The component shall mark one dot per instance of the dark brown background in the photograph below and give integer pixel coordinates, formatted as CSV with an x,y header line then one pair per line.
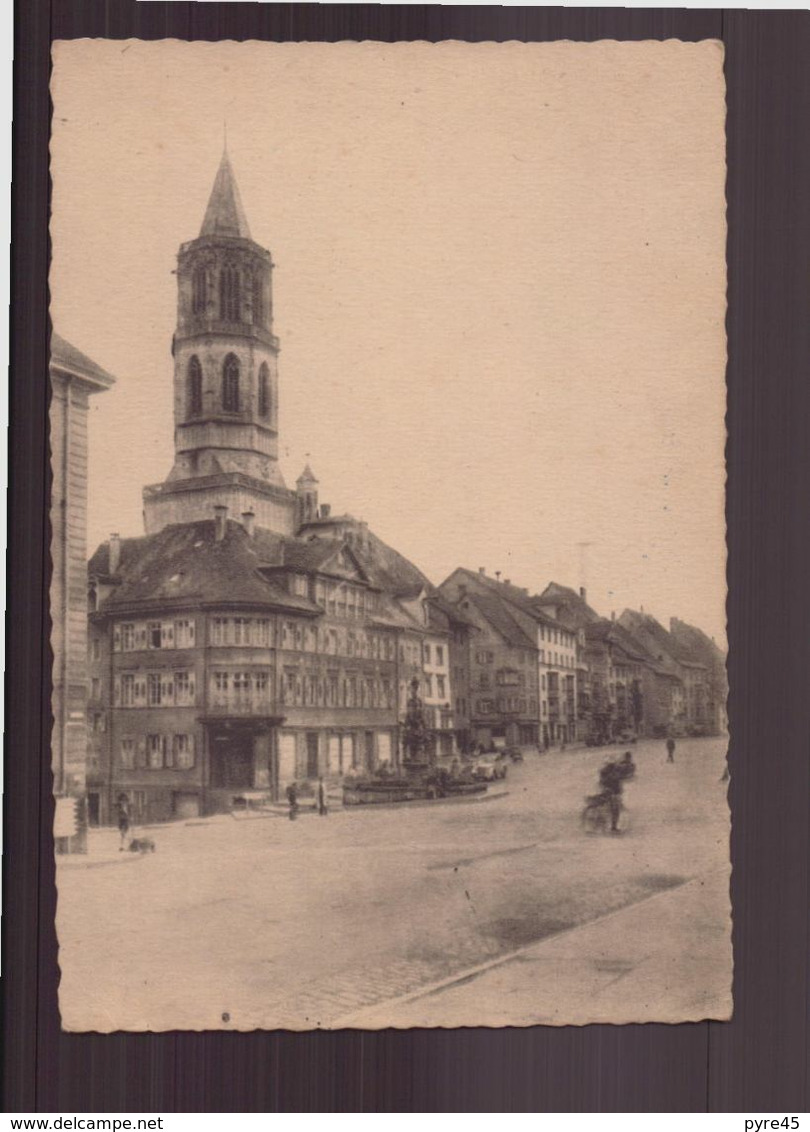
x,y
758,1062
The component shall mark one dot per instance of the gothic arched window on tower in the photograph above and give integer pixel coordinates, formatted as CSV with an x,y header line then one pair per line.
x,y
199,291
230,384
258,301
264,390
229,298
195,398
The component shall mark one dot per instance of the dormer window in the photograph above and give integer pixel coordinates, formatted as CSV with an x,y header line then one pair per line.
x,y
230,384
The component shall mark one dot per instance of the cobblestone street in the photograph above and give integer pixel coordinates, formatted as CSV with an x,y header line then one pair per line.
x,y
269,923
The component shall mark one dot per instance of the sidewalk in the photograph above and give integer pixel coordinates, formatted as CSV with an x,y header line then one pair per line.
x,y
646,962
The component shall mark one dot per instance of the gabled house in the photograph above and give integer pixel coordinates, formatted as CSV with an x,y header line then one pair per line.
x,y
504,687
684,680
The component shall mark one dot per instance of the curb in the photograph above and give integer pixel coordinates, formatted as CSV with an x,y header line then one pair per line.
x,y
355,1019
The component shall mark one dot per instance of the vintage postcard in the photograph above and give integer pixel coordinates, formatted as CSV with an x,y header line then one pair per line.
x,y
388,542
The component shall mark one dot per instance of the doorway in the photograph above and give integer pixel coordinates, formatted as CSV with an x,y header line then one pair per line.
x,y
312,754
93,809
232,760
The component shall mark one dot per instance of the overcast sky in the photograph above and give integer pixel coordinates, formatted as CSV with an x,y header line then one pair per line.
x,y
500,289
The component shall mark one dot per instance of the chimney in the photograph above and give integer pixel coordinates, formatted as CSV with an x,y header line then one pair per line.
x,y
248,520
482,570
115,552
583,593
507,581
325,510
613,615
498,575
220,521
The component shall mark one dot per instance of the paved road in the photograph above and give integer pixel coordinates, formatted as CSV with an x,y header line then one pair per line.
x,y
275,923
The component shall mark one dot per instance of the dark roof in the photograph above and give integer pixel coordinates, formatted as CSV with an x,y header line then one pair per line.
x,y
66,357
313,555
225,215
557,594
696,646
520,599
605,629
498,615
385,567
653,637
452,612
184,563
390,570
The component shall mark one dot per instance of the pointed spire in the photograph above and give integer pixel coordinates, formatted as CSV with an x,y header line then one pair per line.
x,y
306,477
225,215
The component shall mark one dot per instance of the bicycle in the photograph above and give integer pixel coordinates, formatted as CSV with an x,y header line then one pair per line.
x,y
597,816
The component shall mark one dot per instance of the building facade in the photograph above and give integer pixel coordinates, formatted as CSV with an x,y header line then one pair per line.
x,y
502,665
74,378
231,660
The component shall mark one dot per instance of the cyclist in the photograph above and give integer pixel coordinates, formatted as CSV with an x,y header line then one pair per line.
x,y
612,778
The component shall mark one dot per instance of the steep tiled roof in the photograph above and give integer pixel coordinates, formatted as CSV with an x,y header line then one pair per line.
x,y
653,637
497,614
390,570
452,612
513,595
384,566
606,629
184,563
557,594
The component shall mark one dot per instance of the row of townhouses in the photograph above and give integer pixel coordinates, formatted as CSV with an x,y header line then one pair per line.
x,y
251,638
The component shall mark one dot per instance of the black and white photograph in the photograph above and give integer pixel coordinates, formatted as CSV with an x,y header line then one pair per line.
x,y
388,592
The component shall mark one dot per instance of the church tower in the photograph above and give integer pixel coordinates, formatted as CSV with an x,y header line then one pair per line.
x,y
225,377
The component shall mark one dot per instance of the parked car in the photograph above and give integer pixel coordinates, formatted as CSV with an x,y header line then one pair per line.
x,y
513,753
487,768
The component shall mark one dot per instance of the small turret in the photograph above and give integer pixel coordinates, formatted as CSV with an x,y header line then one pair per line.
x,y
306,490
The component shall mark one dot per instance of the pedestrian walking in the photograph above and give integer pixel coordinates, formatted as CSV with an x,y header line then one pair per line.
x,y
122,811
292,798
321,797
670,750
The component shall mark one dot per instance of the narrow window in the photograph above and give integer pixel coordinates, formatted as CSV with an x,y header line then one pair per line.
x,y
229,297
264,390
194,386
230,384
258,300
199,291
